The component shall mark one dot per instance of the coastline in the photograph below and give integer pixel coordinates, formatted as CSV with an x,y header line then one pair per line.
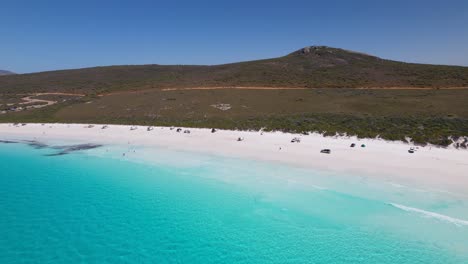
x,y
439,169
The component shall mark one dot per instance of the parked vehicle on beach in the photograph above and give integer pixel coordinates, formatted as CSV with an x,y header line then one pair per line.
x,y
296,140
325,151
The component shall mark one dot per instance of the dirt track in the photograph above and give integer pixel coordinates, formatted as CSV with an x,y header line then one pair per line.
x,y
30,100
273,88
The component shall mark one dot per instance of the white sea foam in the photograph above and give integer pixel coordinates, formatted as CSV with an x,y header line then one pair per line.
x,y
396,185
428,214
319,187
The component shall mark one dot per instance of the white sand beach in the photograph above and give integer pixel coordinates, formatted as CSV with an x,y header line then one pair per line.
x,y
440,169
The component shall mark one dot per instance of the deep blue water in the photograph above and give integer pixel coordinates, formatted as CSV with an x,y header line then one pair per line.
x,y
95,206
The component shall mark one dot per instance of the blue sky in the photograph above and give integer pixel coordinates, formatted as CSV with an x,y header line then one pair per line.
x,y
49,35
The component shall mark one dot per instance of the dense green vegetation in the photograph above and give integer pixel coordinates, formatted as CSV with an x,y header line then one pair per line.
x,y
435,130
322,67
425,116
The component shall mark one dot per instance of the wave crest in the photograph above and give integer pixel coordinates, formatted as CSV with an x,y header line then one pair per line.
x,y
428,214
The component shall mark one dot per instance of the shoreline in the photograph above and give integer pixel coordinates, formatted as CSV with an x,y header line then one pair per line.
x,y
441,169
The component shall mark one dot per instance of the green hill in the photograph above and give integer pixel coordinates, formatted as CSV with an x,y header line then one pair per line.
x,y
314,67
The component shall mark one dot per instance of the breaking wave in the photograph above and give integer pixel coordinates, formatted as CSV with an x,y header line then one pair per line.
x,y
428,214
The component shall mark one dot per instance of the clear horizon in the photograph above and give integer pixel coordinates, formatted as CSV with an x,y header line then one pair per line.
x,y
53,35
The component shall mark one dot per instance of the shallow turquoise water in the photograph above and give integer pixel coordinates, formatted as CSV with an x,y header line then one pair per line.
x,y
96,207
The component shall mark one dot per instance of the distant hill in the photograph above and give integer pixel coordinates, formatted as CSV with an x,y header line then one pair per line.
x,y
316,66
3,72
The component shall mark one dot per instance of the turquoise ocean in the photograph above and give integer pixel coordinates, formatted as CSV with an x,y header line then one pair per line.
x,y
98,206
